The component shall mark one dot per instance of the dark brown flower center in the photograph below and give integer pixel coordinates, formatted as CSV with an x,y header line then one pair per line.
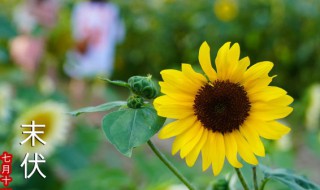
x,y
221,106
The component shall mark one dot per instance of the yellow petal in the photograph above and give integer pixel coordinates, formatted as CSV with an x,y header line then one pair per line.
x,y
221,60
167,87
218,153
193,155
178,80
267,94
184,138
257,85
244,64
177,127
271,130
207,152
231,150
174,111
237,75
258,70
164,100
205,61
253,139
244,149
230,67
267,112
187,148
191,74
187,94
279,127
281,101
233,54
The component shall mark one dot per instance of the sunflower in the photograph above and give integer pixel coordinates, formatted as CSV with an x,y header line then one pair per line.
x,y
50,114
223,113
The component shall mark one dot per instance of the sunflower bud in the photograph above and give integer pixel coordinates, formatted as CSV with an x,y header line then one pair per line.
x,y
135,102
143,86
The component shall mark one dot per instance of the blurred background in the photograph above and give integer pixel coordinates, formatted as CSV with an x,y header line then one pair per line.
x,y
52,51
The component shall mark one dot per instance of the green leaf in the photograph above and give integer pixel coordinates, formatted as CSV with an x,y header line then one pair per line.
x,y
292,180
99,108
116,82
129,128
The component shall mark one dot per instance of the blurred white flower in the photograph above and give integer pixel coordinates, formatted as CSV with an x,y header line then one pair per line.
x,y
313,109
177,187
31,13
23,19
233,181
53,116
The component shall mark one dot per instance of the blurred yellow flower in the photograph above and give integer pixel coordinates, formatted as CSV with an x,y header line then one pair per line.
x,y
53,116
223,112
225,10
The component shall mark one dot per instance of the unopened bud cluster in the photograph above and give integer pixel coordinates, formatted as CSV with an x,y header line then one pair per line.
x,y
143,88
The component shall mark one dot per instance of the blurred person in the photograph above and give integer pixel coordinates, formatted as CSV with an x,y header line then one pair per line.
x,y
34,18
97,28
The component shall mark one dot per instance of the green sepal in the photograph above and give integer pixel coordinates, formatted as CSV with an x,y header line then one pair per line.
x,y
116,82
130,128
103,107
289,178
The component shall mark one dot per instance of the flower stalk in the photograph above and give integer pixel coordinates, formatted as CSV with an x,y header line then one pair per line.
x,y
241,179
174,170
255,183
263,183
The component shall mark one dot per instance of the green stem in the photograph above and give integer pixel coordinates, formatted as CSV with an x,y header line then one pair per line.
x,y
174,170
255,183
241,179
263,183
